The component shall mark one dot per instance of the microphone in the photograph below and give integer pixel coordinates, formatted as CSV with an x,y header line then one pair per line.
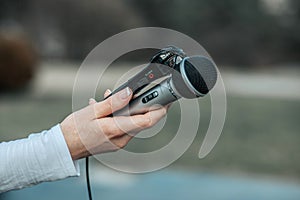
x,y
160,65
193,77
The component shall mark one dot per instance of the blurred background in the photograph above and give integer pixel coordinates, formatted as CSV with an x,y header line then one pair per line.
x,y
256,45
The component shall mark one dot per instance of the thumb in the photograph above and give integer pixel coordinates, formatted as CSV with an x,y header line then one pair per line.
x,y
113,103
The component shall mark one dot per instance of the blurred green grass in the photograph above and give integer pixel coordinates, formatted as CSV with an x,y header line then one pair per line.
x,y
261,135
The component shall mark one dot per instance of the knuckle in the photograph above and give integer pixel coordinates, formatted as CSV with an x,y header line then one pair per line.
x,y
164,111
117,132
103,128
117,127
108,129
115,102
113,131
122,143
147,121
108,104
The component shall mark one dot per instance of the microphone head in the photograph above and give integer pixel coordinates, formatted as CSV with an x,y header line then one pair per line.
x,y
197,76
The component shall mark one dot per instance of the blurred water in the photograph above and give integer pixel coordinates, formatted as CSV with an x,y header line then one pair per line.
x,y
165,184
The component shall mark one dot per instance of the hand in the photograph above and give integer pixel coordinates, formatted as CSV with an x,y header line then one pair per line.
x,y
89,130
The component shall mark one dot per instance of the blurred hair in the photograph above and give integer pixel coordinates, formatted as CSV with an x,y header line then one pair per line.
x,y
17,61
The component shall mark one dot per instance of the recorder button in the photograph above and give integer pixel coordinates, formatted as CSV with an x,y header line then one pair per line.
x,y
145,100
155,94
150,97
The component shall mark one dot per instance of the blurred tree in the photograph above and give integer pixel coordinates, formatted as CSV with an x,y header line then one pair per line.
x,y
292,31
13,9
234,32
84,24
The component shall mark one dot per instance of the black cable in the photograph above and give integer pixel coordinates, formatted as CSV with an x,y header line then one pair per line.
x,y
87,175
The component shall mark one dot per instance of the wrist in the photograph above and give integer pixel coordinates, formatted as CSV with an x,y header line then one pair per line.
x,y
76,148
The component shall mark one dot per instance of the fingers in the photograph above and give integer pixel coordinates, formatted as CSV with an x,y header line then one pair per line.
x,y
120,125
107,92
92,101
155,116
122,129
168,106
121,142
113,103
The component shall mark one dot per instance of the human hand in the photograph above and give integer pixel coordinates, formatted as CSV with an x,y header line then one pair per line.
x,y
89,130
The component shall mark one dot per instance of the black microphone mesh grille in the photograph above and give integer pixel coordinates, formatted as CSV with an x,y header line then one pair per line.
x,y
201,73
195,77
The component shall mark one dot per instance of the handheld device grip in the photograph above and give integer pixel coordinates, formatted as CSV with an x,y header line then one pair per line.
x,y
159,95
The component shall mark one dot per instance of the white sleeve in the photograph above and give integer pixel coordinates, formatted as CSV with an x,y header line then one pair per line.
x,y
40,157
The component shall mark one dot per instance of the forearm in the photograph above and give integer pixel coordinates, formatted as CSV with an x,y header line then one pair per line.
x,y
73,140
38,158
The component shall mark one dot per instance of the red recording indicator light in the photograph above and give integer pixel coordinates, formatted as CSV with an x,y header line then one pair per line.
x,y
151,76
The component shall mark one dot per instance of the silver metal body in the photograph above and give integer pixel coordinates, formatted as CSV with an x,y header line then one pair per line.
x,y
165,95
202,73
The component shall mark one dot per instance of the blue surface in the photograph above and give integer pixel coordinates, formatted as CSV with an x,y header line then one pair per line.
x,y
167,185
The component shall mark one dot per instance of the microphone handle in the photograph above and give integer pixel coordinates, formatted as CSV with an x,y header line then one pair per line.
x,y
159,95
150,73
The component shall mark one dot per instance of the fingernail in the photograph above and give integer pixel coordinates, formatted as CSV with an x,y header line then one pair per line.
x,y
124,94
107,91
